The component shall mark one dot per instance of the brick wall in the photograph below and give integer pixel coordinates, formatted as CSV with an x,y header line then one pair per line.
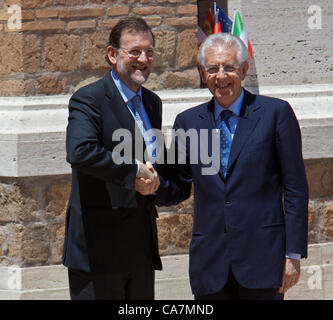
x,y
62,43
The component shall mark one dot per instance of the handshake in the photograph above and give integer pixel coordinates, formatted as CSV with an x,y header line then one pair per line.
x,y
147,181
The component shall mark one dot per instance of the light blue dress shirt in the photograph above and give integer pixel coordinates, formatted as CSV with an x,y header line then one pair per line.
x,y
235,108
127,94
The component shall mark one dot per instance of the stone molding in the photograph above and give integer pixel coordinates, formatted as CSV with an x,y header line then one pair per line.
x,y
32,129
51,282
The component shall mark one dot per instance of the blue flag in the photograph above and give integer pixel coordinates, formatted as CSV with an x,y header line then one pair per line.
x,y
225,22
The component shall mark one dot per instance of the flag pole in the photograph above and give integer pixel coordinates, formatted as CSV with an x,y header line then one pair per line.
x,y
233,25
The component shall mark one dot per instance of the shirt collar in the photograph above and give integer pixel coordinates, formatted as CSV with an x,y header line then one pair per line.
x,y
126,93
235,107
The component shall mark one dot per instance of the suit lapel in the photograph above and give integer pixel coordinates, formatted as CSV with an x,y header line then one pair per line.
x,y
151,109
248,119
208,122
124,116
118,105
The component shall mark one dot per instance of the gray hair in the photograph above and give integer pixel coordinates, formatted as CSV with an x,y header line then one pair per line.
x,y
224,41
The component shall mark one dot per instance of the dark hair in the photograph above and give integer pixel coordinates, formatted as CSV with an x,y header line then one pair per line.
x,y
129,23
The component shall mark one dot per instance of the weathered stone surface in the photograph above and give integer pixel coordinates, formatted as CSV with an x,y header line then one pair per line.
x,y
30,4
10,53
310,214
18,202
328,220
57,243
35,244
52,85
187,49
56,198
165,42
94,50
85,82
62,52
187,78
299,56
26,245
154,82
320,177
174,233
31,53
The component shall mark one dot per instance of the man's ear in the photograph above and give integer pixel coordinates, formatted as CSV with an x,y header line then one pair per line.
x,y
245,69
112,54
202,74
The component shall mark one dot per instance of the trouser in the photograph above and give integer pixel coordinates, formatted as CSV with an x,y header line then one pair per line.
x,y
135,285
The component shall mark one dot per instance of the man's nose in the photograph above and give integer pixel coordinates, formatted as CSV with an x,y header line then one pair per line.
x,y
143,56
221,73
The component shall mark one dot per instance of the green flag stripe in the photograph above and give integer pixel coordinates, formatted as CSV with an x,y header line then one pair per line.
x,y
238,25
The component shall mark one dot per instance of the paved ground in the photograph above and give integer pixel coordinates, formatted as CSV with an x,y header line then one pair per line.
x,y
316,282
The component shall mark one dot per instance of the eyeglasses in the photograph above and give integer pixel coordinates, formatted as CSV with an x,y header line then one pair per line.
x,y
228,68
136,53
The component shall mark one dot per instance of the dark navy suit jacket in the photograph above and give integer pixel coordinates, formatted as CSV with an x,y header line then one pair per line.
x,y
259,212
109,226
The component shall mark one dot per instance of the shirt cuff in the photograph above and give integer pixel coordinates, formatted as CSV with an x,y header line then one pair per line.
x,y
138,168
296,256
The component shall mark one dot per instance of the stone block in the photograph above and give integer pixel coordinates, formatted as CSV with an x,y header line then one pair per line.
x,y
30,4
154,82
47,13
69,3
57,243
328,220
52,85
82,13
56,197
81,24
10,53
165,44
18,202
320,177
187,78
94,50
187,49
174,232
62,52
182,22
156,10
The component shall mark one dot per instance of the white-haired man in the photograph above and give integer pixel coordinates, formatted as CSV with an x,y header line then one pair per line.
x,y
250,218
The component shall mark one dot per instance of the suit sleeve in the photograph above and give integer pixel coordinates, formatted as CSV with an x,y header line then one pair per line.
x,y
84,147
295,187
175,178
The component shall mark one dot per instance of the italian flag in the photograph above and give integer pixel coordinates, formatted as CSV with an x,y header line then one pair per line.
x,y
239,31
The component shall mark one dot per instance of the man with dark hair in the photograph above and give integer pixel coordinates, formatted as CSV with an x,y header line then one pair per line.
x,y
111,248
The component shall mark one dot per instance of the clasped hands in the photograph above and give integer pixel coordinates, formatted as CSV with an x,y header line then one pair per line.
x,y
146,181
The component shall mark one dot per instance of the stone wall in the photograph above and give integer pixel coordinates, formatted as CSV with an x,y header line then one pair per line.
x,y
32,220
287,49
61,44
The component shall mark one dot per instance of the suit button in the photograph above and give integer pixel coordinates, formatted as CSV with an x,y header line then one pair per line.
x,y
227,202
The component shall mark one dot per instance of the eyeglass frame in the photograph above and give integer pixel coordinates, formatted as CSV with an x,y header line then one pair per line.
x,y
130,55
219,66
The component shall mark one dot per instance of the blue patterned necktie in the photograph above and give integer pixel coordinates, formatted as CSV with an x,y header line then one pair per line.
x,y
150,140
136,101
225,139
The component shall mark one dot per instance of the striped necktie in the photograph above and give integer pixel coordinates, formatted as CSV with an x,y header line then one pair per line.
x,y
225,139
150,139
